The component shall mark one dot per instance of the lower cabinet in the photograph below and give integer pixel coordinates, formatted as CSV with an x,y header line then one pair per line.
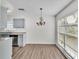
x,y
21,40
6,48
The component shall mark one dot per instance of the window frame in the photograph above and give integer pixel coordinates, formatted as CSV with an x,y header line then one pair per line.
x,y
66,34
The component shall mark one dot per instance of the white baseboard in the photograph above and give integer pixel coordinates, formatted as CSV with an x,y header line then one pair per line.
x,y
39,43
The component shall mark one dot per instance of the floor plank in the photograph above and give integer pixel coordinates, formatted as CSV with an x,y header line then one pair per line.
x,y
37,52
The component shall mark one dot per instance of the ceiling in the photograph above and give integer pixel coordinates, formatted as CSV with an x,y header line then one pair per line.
x,y
32,7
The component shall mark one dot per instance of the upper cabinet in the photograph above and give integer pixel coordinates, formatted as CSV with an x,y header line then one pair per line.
x,y
6,11
3,17
8,18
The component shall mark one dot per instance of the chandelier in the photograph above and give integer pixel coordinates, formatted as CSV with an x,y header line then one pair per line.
x,y
41,22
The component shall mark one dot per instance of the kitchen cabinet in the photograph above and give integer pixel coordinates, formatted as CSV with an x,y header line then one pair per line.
x,y
5,48
3,17
21,40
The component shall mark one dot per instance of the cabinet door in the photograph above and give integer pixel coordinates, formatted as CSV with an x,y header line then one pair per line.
x,y
6,48
18,23
3,17
20,40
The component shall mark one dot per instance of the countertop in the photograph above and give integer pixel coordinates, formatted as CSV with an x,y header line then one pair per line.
x,y
4,38
17,31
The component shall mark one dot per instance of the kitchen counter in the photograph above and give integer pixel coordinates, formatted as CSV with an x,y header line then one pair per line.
x,y
14,31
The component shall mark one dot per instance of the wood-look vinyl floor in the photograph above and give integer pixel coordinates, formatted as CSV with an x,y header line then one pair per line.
x,y
14,50
37,52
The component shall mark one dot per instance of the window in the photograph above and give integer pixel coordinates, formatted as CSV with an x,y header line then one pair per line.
x,y
61,30
61,40
67,29
18,23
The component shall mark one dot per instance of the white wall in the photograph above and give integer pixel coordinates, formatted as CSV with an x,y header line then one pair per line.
x,y
41,34
38,34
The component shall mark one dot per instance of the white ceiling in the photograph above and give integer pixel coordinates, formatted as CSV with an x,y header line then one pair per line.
x,y
32,7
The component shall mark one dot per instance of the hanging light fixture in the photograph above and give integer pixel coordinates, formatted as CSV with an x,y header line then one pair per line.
x,y
41,22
